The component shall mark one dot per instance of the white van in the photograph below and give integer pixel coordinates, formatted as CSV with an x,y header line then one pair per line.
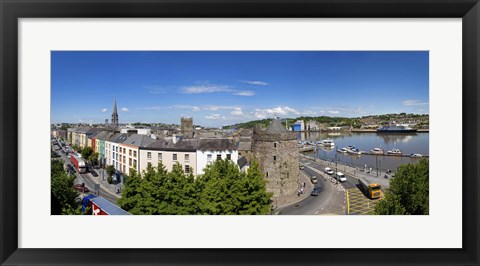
x,y
341,177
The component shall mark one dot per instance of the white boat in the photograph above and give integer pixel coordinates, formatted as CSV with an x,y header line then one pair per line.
x,y
343,150
395,152
328,143
416,155
353,150
377,151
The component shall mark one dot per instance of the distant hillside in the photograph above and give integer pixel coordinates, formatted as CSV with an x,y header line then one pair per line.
x,y
357,122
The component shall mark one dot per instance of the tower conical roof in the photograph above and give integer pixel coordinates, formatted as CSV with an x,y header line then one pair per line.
x,y
276,127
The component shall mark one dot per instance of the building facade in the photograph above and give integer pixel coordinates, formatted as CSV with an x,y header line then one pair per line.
x,y
131,152
170,153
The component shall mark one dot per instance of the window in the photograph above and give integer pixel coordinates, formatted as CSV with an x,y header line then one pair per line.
x,y
129,152
149,155
274,144
134,153
266,174
174,156
124,150
120,157
117,149
229,156
187,169
149,165
130,162
274,158
187,157
134,163
209,157
123,159
124,168
219,156
159,156
240,154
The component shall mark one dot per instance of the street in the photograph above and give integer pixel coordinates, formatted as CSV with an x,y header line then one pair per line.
x,y
90,181
331,199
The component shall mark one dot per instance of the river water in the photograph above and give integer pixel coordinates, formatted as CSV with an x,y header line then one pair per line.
x,y
407,143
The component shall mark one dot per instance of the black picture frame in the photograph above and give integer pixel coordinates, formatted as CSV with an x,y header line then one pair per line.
x,y
11,11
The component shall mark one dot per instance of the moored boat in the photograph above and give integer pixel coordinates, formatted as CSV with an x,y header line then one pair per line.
x,y
398,128
395,152
377,151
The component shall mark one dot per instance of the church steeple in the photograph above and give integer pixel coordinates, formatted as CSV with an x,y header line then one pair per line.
x,y
114,113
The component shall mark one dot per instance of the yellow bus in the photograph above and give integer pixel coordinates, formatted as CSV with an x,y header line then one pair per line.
x,y
371,190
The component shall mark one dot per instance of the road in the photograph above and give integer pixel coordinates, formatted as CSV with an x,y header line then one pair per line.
x,y
329,201
89,182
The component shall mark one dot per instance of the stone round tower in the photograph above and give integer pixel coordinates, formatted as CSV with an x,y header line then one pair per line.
x,y
277,153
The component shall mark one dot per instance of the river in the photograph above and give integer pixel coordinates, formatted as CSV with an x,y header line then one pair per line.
x,y
407,143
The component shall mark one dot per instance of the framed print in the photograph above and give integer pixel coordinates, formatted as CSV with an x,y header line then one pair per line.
x,y
234,132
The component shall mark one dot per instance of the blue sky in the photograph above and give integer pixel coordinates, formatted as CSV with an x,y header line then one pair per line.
x,y
222,88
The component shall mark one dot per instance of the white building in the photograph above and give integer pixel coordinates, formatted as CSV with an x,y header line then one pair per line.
x,y
139,131
210,150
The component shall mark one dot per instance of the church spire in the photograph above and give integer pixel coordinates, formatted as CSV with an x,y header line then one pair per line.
x,y
114,113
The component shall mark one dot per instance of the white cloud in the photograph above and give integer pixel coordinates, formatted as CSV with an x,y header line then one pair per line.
x,y
205,89
237,112
413,103
256,82
215,117
104,110
244,93
124,109
196,109
277,111
334,112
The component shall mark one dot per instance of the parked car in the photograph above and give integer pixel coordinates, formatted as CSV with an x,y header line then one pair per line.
x,y
329,171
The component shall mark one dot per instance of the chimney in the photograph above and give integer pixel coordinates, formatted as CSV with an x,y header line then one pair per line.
x,y
174,138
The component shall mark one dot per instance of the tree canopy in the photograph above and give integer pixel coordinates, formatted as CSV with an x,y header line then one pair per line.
x,y
222,189
408,192
62,192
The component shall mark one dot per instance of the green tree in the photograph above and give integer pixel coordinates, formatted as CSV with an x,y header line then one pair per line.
x,y
94,158
63,194
86,153
221,190
110,171
408,192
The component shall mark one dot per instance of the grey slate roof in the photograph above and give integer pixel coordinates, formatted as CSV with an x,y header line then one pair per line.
x,y
242,162
245,146
104,135
139,140
118,138
192,145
